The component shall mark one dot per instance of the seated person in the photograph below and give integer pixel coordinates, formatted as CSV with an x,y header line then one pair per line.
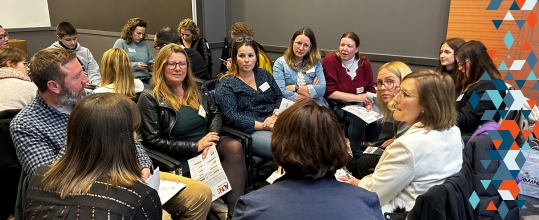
x,y
249,97
99,174
299,72
190,38
348,78
117,75
4,38
180,119
66,34
241,29
16,87
309,158
39,130
473,61
166,36
428,153
390,76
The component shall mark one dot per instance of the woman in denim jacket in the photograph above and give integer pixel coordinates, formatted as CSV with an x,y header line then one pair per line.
x,y
299,72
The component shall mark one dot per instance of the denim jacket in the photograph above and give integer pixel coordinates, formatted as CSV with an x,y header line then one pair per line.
x,y
284,75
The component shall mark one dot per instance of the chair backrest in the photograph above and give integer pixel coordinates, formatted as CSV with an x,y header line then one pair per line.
x,y
9,164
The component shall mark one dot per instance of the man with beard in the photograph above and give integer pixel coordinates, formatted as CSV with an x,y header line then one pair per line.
x,y
39,130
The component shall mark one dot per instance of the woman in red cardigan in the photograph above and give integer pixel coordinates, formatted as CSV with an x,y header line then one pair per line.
x,y
348,78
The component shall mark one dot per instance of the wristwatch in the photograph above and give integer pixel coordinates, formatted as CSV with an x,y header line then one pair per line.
x,y
296,89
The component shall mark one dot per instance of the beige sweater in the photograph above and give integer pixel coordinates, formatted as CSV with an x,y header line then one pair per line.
x,y
16,89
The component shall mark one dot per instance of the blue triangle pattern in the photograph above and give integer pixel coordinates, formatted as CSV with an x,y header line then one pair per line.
x,y
502,209
494,4
508,99
485,96
485,163
500,84
536,87
507,140
532,59
502,153
503,66
495,96
503,113
474,100
485,183
520,159
520,23
508,40
494,155
508,56
485,76
497,23
509,76
502,174
488,115
525,146
520,83
494,134
474,199
531,76
514,6
497,183
514,173
520,203
526,113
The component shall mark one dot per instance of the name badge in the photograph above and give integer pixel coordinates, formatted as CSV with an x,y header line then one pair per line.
x,y
360,90
264,87
460,97
131,50
201,111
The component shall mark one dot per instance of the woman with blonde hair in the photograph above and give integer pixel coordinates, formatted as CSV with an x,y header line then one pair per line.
x,y
180,119
412,163
133,42
191,38
299,72
117,74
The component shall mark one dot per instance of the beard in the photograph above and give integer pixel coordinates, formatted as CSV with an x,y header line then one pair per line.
x,y
69,97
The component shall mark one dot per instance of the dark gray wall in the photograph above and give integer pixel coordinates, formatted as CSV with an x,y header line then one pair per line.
x,y
111,15
389,29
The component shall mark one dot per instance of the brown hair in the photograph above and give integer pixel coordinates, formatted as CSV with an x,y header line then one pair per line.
x,y
234,69
189,25
46,66
436,96
454,44
241,28
479,60
300,142
312,57
11,55
116,69
163,91
65,29
99,146
129,27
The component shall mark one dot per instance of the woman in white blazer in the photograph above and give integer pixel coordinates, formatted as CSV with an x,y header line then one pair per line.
x,y
428,153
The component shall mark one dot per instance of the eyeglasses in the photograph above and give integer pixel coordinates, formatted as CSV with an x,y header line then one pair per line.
x,y
26,64
172,65
158,47
388,83
462,64
299,45
2,36
241,39
403,94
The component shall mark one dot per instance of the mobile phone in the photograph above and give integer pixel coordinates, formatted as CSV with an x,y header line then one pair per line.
x,y
224,61
149,63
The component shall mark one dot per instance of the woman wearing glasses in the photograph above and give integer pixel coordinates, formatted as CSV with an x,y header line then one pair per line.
x,y
473,61
180,119
16,87
249,97
133,42
348,78
412,163
299,72
390,76
4,38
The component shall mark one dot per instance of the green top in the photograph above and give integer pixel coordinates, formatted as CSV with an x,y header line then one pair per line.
x,y
190,126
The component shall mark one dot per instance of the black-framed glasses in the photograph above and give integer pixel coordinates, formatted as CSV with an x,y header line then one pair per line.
x,y
172,65
241,39
388,84
6,34
158,47
461,64
403,94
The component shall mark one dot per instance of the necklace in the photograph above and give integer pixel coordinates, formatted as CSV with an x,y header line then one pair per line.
x,y
348,67
298,65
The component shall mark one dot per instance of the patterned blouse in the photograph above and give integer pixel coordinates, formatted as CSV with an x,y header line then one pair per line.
x,y
241,105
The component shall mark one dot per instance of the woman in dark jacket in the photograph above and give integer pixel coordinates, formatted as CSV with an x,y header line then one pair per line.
x,y
180,119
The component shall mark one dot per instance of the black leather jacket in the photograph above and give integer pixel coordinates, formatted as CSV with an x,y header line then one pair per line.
x,y
158,119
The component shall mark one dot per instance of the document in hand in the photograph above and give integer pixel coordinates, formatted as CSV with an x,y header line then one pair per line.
x,y
166,189
210,171
361,112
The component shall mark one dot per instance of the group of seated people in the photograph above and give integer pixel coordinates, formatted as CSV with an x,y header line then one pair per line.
x,y
83,153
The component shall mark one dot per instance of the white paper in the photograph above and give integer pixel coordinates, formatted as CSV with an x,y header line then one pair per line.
x,y
342,172
275,175
166,189
285,103
371,96
361,112
210,171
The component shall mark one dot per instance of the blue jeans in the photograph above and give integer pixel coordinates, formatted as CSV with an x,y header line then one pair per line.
x,y
261,144
357,127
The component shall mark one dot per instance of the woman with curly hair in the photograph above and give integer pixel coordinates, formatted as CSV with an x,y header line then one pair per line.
x,y
191,38
132,41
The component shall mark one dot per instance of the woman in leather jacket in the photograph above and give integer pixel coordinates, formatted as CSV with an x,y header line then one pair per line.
x,y
180,119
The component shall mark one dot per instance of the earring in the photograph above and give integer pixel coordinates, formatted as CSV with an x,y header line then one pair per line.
x,y
422,111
